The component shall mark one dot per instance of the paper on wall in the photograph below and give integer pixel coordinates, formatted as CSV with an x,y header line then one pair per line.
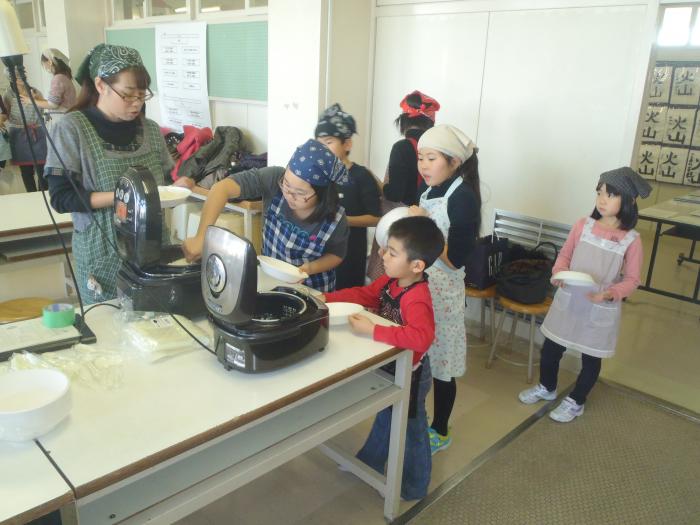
x,y
181,66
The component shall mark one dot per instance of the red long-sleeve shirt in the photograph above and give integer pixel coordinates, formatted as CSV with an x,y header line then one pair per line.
x,y
418,330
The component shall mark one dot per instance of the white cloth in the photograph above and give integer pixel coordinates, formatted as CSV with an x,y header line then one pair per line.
x,y
448,353
448,140
52,53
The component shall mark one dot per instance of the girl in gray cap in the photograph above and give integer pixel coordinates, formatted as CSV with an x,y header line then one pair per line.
x,y
587,318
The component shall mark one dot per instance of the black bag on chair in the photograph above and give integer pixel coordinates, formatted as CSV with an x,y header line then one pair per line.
x,y
485,262
525,278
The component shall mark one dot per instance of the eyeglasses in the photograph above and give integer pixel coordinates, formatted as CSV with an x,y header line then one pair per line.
x,y
296,195
130,99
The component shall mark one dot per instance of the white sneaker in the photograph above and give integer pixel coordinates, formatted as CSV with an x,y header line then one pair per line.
x,y
566,411
535,394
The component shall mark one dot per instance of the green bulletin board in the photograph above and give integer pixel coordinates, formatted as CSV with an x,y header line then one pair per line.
x,y
236,57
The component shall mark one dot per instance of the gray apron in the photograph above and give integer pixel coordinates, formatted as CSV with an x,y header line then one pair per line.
x,y
573,320
448,353
95,260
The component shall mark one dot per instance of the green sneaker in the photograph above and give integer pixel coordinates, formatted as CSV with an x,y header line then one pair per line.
x,y
437,441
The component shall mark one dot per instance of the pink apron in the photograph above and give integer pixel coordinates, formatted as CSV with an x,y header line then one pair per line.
x,y
573,320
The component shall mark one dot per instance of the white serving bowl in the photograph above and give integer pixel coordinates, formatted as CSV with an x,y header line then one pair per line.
x,y
338,313
381,234
32,402
280,270
574,278
171,196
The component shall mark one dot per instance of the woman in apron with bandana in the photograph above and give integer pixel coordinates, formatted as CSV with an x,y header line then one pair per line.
x,y
304,223
26,144
97,141
606,247
62,95
449,166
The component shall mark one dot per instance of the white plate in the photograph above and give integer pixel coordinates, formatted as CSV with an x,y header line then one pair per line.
x,y
280,270
32,402
171,196
338,313
574,278
381,234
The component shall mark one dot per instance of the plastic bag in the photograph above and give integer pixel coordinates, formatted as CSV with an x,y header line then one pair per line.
x,y
157,335
83,364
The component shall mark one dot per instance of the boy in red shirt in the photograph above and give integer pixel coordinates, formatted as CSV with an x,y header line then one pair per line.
x,y
402,296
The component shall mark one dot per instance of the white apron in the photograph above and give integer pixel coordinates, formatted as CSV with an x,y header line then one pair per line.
x,y
573,320
449,349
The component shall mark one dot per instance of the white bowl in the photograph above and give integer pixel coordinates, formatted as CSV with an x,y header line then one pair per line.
x,y
171,196
574,278
338,313
381,234
280,270
32,402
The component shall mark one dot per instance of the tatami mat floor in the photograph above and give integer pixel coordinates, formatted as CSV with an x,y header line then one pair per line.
x,y
624,462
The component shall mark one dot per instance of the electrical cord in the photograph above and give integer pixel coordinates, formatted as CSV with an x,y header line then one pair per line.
x,y
86,205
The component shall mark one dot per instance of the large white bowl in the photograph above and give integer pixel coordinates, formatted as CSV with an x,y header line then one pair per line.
x,y
338,313
381,234
280,270
32,402
171,196
574,278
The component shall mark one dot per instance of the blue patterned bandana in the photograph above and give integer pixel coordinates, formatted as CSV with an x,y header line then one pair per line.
x,y
314,163
105,60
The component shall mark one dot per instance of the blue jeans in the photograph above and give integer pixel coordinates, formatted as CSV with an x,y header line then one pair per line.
x,y
417,460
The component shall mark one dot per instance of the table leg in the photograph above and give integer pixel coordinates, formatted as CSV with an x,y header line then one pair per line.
x,y
531,349
653,254
397,437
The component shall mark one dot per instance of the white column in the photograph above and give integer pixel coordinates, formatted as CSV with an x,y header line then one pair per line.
x,y
296,67
75,27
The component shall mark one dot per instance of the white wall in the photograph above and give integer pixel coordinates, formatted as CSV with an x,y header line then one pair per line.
x,y
349,38
296,67
75,27
440,55
558,86
551,96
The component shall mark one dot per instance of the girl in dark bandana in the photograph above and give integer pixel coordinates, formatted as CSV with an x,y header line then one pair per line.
x,y
360,197
304,223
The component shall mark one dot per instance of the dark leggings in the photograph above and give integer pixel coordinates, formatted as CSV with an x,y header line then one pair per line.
x,y
549,370
28,178
444,394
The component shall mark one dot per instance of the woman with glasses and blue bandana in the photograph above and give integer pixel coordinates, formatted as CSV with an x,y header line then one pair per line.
x,y
104,134
304,222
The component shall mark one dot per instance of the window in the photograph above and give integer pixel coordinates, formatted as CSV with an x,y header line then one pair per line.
x,y
128,9
168,7
211,6
680,26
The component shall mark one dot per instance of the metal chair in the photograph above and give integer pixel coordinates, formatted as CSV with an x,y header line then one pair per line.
x,y
533,310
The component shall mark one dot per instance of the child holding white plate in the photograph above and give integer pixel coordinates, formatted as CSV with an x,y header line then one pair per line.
x,y
402,295
606,247
305,225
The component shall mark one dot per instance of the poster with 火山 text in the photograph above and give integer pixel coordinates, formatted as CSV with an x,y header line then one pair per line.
x,y
181,66
669,149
